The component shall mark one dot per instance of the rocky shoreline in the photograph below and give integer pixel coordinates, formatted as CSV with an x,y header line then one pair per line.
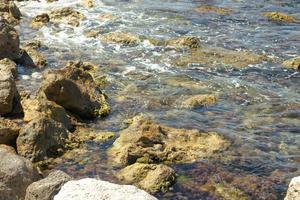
x,y
35,129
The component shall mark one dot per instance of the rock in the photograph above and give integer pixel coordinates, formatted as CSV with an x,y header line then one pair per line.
x,y
48,187
85,134
34,108
93,33
9,66
186,41
9,42
293,63
107,17
213,9
9,132
121,38
9,95
88,3
280,17
199,100
14,10
31,57
66,16
7,149
293,192
16,174
147,142
150,177
89,67
41,139
10,12
76,91
92,189
214,57
40,20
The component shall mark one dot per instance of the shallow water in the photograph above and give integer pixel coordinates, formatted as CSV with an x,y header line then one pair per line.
x,y
258,107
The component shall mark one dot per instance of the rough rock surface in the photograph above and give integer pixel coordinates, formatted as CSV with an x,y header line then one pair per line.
x,y
199,100
147,142
293,63
48,187
10,12
281,17
150,177
92,189
40,20
186,41
213,9
8,65
121,38
9,42
76,91
7,149
16,173
9,132
293,192
66,16
42,138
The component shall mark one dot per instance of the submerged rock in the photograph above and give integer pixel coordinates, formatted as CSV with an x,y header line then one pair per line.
x,y
76,91
220,57
9,132
121,38
199,100
66,16
186,41
213,9
145,141
16,174
9,42
293,63
293,192
48,187
41,139
150,177
92,189
281,17
84,134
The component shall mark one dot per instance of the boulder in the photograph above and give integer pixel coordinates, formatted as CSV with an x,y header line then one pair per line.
x,y
76,91
41,139
48,187
148,142
121,38
199,101
92,189
293,192
9,42
293,63
9,66
9,132
150,177
16,174
36,107
66,16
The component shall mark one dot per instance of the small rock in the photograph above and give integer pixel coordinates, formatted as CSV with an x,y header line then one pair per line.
x,y
213,9
293,63
293,192
48,187
199,100
281,17
9,66
7,149
66,16
92,189
9,132
121,38
40,20
186,41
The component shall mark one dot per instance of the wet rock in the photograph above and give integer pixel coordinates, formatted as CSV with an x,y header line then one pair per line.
x,y
9,42
213,9
89,67
9,95
107,17
186,41
150,177
35,108
76,91
48,187
88,134
93,33
215,57
293,63
41,139
121,38
40,20
36,59
92,189
66,16
9,66
88,3
10,12
9,132
293,192
7,149
147,142
199,100
16,174
281,17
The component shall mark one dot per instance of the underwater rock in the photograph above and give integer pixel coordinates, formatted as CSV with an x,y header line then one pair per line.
x,y
145,141
281,17
293,63
150,177
48,187
185,41
199,100
76,91
213,9
9,132
121,38
40,20
66,16
293,192
41,139
16,174
9,42
84,134
93,189
213,57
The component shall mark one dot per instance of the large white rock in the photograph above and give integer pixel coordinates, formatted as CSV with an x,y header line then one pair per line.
x,y
92,189
293,192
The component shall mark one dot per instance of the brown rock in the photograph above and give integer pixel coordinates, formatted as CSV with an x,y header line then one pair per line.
x,y
9,42
40,20
9,132
199,100
66,16
293,63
